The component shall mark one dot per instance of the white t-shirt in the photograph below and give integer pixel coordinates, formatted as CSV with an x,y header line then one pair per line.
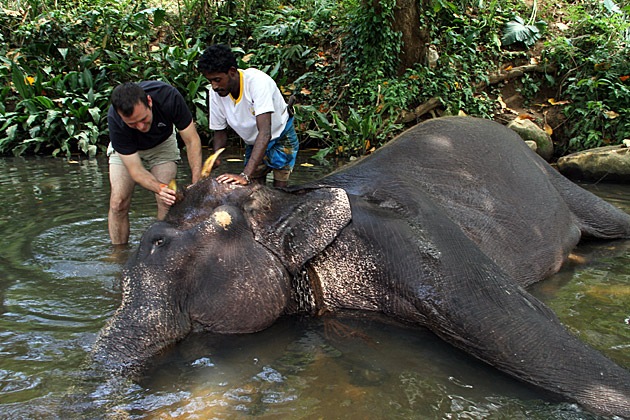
x,y
259,94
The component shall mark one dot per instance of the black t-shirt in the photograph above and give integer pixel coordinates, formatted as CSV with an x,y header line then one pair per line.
x,y
169,108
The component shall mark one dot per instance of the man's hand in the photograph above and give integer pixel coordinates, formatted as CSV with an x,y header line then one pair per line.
x,y
232,179
166,195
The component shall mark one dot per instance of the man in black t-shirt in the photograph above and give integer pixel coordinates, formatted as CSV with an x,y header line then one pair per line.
x,y
141,120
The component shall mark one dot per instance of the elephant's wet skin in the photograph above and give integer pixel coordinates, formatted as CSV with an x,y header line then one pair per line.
x,y
443,227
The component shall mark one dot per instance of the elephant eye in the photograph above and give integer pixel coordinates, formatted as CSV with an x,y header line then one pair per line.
x,y
157,242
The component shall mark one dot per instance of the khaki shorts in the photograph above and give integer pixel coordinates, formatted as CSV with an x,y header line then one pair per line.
x,y
262,170
167,151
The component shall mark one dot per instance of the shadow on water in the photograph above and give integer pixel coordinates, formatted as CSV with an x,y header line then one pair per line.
x,y
59,285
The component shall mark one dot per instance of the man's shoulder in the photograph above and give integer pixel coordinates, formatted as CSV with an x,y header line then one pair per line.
x,y
258,82
163,95
252,73
154,84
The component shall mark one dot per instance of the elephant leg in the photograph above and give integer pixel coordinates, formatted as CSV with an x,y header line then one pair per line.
x,y
594,217
469,301
520,336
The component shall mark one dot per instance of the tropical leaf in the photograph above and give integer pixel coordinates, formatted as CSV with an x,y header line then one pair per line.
x,y
19,82
51,117
612,7
96,114
91,150
517,31
45,102
158,16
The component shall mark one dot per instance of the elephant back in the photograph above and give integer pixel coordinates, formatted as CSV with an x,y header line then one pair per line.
x,y
485,179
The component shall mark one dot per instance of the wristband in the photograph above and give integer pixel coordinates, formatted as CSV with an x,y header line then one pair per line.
x,y
243,175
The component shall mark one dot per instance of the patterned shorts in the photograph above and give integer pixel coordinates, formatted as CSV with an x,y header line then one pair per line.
x,y
281,151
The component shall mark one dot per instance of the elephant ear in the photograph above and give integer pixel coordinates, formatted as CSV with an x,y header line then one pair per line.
x,y
299,225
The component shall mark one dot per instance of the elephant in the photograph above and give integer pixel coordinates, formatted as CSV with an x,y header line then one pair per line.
x,y
442,227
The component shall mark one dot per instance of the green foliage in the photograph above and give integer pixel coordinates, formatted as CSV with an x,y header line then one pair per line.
x,y
123,41
468,48
60,61
286,39
72,119
351,136
60,107
518,31
596,60
373,43
178,66
282,36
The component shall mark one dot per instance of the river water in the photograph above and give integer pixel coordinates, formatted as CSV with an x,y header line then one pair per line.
x,y
59,285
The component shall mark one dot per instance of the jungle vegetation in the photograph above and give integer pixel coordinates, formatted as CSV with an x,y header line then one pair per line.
x,y
362,70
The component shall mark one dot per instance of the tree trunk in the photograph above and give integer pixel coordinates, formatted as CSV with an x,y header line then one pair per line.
x,y
414,38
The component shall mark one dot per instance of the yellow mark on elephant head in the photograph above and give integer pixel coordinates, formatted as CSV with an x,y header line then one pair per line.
x,y
223,218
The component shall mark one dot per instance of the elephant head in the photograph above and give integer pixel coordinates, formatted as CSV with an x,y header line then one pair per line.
x,y
222,261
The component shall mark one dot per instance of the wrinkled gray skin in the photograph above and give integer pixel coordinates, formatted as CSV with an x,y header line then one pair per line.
x,y
442,227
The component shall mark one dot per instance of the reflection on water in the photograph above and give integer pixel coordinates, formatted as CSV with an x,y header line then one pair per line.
x,y
59,285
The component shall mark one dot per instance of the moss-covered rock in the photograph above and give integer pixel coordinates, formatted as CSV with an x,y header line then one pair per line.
x,y
610,163
529,131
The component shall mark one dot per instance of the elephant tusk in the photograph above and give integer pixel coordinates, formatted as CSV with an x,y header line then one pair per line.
x,y
209,163
179,196
173,185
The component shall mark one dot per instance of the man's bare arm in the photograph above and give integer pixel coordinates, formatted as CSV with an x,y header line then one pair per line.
x,y
193,150
146,179
263,123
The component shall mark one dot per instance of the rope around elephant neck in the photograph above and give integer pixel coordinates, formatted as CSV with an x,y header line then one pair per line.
x,y
307,290
301,283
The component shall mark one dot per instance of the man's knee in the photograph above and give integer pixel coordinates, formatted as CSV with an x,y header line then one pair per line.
x,y
164,172
119,205
281,176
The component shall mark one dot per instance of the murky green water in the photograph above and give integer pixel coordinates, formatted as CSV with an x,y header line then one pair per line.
x,y
59,284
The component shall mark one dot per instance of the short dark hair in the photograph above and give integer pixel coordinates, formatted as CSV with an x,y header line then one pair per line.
x,y
217,58
125,97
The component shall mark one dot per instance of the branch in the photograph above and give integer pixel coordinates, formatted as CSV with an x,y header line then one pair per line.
x,y
493,78
409,116
513,73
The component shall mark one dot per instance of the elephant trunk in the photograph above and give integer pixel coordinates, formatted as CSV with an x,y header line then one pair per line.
x,y
125,344
143,325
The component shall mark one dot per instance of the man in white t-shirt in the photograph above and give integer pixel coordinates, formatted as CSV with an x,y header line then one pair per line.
x,y
250,102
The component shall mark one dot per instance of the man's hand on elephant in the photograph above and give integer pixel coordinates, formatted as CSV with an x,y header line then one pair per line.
x,y
233,179
167,195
